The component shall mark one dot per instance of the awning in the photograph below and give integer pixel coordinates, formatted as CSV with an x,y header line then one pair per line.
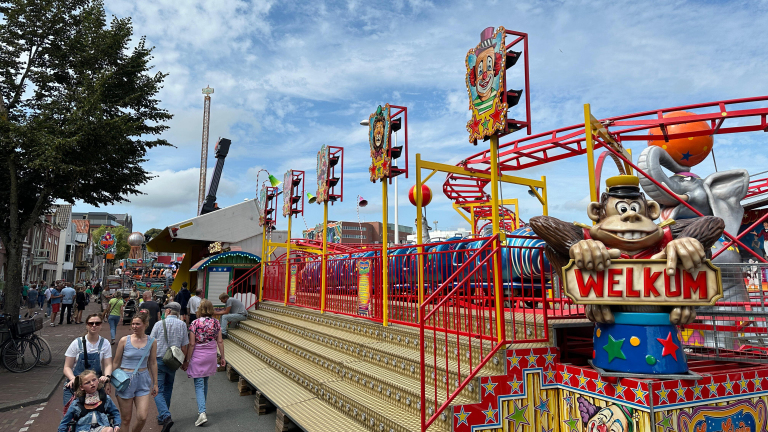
x,y
245,256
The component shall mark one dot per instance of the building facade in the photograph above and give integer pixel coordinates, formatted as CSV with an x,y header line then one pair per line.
x,y
357,232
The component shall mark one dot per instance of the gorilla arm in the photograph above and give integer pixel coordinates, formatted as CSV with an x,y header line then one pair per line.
x,y
560,236
692,244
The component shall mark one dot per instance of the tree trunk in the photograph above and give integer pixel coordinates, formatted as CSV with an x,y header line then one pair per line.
x,y
13,281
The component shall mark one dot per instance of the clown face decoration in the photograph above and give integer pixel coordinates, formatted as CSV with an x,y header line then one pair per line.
x,y
485,82
287,192
613,418
379,134
322,175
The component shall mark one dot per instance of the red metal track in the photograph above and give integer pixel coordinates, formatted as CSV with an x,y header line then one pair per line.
x,y
567,142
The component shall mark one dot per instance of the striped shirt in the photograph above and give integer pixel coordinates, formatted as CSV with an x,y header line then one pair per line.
x,y
177,334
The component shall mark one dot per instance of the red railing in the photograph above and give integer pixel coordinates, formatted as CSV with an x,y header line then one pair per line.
x,y
353,285
274,281
308,270
246,287
460,313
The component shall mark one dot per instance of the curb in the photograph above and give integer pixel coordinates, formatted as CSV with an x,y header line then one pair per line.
x,y
41,397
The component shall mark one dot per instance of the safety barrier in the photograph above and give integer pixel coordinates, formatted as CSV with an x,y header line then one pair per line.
x,y
246,287
460,312
274,281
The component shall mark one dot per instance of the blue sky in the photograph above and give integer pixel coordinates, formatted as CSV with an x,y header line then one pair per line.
x,y
291,76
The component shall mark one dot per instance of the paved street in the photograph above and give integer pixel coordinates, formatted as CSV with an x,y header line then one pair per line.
x,y
226,410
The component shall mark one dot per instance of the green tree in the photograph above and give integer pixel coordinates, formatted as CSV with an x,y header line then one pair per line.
x,y
78,112
151,233
120,234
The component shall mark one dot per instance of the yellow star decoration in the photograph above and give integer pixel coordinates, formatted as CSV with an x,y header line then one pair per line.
x,y
513,360
489,388
599,384
639,394
713,388
583,380
728,387
490,414
663,394
619,389
462,416
566,376
743,384
532,360
697,391
758,383
550,358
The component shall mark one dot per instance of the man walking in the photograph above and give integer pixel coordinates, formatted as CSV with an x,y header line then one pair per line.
x,y
233,312
182,298
168,332
193,304
31,300
67,301
153,308
168,274
55,303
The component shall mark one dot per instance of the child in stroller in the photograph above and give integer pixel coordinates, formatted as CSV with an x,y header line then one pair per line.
x,y
92,410
129,310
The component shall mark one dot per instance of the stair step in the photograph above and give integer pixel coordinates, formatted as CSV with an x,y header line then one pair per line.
x,y
302,406
357,369
397,391
407,348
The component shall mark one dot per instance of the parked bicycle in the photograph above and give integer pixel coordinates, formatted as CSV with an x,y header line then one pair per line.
x,y
21,350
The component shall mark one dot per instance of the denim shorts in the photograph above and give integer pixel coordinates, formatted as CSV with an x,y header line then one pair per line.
x,y
141,384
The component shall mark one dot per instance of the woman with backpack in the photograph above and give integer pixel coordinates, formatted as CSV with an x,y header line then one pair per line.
x,y
92,410
90,352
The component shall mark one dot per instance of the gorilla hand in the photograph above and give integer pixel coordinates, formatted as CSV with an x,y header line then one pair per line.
x,y
688,251
599,314
682,315
592,255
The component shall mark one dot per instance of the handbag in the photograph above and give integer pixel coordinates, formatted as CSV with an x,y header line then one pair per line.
x,y
173,357
120,378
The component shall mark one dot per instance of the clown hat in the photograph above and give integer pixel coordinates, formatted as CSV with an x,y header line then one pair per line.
x,y
486,39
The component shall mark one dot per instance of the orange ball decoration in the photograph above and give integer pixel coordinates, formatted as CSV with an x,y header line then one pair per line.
x,y
426,195
685,151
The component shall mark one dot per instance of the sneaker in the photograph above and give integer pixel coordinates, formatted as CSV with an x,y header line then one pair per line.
x,y
53,325
223,336
167,423
200,419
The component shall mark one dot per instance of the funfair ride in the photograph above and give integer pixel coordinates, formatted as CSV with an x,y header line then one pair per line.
x,y
499,331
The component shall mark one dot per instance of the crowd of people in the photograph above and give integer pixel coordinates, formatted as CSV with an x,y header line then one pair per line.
x,y
167,333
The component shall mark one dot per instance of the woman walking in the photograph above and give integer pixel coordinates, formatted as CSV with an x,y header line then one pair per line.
x,y
79,304
93,409
132,357
114,313
90,352
204,338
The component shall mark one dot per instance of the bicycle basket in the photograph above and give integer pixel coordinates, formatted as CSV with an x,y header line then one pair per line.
x,y
38,322
25,327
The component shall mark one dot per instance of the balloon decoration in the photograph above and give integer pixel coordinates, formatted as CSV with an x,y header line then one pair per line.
x,y
685,151
426,195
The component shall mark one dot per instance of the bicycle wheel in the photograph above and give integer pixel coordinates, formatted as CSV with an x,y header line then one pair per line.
x,y
20,355
45,350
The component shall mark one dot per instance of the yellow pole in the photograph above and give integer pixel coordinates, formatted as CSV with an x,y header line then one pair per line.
x,y
545,206
264,259
384,257
419,238
496,231
323,258
288,261
590,153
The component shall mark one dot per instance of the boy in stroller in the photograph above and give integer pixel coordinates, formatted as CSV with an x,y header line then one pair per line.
x,y
92,410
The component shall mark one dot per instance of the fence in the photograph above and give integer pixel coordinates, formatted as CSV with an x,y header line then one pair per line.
x,y
736,328
246,287
274,281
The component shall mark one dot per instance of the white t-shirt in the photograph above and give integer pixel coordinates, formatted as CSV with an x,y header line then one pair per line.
x,y
48,294
74,348
193,304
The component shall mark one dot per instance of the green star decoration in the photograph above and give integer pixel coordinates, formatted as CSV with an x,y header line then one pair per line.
x,y
613,348
571,423
665,423
518,416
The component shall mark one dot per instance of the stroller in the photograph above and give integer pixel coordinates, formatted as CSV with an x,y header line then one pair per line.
x,y
129,310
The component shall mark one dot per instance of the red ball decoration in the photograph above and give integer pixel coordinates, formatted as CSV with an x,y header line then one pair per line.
x,y
426,195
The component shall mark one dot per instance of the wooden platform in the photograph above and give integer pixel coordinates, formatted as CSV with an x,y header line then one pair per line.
x,y
364,373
